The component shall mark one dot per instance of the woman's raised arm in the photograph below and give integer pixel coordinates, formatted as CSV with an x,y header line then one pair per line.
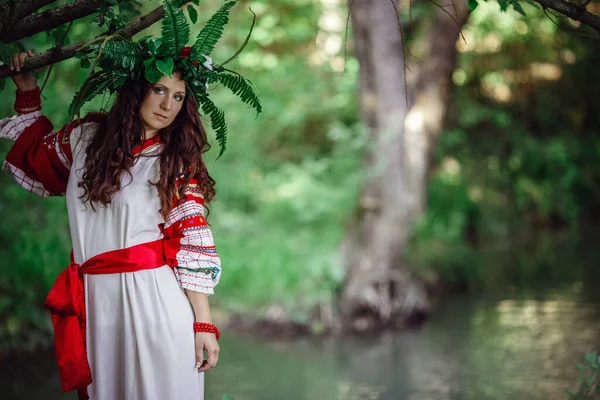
x,y
40,159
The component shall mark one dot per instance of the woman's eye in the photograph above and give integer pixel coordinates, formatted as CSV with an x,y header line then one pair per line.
x,y
158,91
179,98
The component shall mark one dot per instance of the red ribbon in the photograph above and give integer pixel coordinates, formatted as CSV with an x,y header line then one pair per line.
x,y
66,302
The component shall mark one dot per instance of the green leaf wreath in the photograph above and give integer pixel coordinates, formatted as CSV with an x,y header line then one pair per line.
x,y
117,58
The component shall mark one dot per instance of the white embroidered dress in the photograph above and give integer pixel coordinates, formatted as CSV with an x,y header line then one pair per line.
x,y
140,340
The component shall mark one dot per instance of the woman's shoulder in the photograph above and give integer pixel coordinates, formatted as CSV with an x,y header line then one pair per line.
x,y
81,130
94,118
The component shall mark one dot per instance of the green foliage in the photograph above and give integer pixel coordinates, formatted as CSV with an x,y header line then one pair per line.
x,y
239,86
212,32
121,54
589,381
217,120
115,15
175,30
193,14
508,167
98,83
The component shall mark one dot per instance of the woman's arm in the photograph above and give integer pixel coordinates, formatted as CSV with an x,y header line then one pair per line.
x,y
204,341
190,250
40,159
24,81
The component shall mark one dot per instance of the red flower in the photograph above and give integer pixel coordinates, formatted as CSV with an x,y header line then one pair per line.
x,y
185,52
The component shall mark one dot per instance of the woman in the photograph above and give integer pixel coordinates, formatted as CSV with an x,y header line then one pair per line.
x,y
135,186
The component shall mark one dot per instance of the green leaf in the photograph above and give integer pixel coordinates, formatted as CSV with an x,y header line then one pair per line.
x,y
517,6
591,357
581,368
155,44
85,63
591,380
122,53
193,14
2,83
212,32
473,5
217,122
196,2
175,29
165,66
152,73
503,4
95,85
227,397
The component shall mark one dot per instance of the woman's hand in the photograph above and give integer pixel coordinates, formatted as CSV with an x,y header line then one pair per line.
x,y
25,80
206,341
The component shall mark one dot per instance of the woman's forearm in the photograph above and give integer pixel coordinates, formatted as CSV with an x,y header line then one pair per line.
x,y
200,305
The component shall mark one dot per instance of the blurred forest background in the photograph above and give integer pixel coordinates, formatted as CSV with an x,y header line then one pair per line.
x,y
515,164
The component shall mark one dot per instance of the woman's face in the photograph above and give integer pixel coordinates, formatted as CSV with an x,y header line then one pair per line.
x,y
162,104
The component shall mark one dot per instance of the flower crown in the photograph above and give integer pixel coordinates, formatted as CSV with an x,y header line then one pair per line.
x,y
118,58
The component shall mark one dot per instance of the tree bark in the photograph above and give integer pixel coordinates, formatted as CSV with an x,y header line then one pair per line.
x,y
49,19
378,283
16,11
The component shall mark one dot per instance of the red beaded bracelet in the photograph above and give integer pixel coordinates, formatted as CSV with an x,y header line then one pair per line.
x,y
28,101
206,327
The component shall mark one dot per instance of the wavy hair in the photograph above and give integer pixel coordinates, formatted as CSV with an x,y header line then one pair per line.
x,y
109,154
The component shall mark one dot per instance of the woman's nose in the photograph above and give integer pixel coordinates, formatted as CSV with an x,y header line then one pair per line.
x,y
166,104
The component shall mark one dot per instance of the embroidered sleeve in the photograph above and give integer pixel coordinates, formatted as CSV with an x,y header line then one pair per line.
x,y
195,260
40,159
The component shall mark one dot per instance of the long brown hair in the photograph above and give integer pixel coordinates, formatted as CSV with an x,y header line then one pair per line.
x,y
109,154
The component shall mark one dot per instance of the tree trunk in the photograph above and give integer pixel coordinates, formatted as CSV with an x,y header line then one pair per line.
x,y
378,284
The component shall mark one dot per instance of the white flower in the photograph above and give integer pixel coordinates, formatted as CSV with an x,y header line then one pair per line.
x,y
208,64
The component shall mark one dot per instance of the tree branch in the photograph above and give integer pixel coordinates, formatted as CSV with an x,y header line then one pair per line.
x,y
572,11
35,23
18,10
58,54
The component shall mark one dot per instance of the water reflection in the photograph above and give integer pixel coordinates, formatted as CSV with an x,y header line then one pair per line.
x,y
471,350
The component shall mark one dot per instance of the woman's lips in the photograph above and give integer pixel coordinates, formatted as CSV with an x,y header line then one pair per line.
x,y
160,116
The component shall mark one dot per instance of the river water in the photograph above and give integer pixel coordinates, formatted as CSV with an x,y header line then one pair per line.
x,y
519,340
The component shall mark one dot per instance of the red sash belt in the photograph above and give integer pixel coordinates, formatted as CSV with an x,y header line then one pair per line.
x,y
66,301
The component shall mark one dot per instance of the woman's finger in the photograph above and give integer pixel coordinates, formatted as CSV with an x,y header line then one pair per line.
x,y
199,356
22,58
14,62
213,356
205,366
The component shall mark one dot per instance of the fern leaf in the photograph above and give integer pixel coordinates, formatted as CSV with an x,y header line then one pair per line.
x,y
175,29
212,32
239,86
96,84
217,122
123,54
